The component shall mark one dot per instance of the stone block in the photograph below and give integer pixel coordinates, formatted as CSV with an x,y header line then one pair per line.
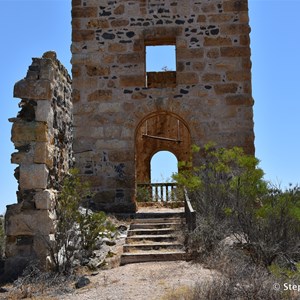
x,y
28,222
234,29
132,80
76,3
82,35
33,89
43,154
24,132
119,23
22,157
238,75
239,100
97,71
161,79
213,53
185,54
225,88
100,95
211,77
45,200
219,41
220,18
187,78
117,47
119,10
235,6
84,12
235,51
33,176
131,58
98,23
44,112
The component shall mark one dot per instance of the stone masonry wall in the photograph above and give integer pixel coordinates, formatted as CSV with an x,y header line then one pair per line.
x,y
42,136
210,92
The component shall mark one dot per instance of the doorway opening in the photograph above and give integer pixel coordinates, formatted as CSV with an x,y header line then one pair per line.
x,y
163,165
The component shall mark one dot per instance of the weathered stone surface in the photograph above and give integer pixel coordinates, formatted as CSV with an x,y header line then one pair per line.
x,y
44,112
96,23
219,41
24,132
33,89
226,88
44,154
34,176
83,35
45,200
235,51
100,95
28,222
84,12
132,80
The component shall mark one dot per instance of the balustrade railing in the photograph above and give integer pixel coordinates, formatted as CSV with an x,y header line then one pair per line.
x,y
190,213
158,192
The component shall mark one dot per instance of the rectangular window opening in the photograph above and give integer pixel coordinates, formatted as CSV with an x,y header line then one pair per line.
x,y
160,66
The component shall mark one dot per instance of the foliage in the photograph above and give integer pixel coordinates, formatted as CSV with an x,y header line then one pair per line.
x,y
92,226
230,196
75,230
144,194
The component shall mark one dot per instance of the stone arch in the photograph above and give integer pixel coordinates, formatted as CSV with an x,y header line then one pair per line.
x,y
160,131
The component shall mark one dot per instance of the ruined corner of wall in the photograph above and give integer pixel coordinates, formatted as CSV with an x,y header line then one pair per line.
x,y
42,136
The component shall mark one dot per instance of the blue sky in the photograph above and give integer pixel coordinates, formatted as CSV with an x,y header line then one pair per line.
x,y
29,28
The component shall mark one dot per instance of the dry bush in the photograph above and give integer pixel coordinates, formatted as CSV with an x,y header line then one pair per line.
x,y
239,281
34,283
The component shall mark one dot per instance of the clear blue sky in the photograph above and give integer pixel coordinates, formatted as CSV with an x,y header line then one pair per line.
x,y
29,28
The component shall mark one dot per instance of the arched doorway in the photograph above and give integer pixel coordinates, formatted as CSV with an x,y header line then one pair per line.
x,y
160,132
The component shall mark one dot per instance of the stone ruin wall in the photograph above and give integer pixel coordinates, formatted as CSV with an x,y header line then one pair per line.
x,y
210,93
42,136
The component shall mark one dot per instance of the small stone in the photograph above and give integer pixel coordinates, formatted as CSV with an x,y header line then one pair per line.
x,y
109,242
130,34
82,282
3,290
108,36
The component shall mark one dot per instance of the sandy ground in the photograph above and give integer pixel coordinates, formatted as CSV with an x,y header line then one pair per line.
x,y
143,281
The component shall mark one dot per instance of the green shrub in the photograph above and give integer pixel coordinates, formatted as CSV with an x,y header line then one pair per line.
x,y
75,230
231,198
144,194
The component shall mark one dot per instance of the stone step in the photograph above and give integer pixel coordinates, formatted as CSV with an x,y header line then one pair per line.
x,y
150,215
159,231
148,238
159,220
157,215
151,246
175,225
149,256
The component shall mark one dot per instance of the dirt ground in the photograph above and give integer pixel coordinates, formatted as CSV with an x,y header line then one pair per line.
x,y
143,281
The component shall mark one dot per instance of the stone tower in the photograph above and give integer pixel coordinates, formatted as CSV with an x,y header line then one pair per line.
x,y
123,114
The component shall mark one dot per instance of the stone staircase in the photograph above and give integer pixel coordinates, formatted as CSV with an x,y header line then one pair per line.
x,y
155,237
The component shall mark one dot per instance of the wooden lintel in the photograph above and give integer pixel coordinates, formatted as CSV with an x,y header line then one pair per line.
x,y
161,138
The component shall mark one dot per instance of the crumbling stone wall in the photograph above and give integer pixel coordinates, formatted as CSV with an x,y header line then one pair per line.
x,y
42,136
210,91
